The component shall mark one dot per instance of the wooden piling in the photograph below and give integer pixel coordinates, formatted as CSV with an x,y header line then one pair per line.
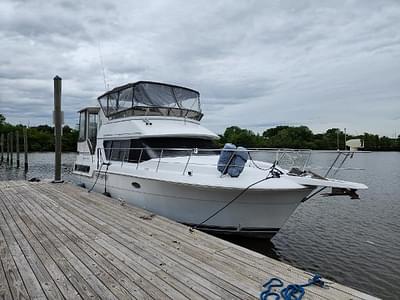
x,y
11,148
17,146
2,148
25,133
8,148
57,128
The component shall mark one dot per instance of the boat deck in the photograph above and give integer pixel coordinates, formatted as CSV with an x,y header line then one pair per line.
x,y
57,241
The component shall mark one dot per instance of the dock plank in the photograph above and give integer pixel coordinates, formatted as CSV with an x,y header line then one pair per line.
x,y
45,280
79,283
92,251
118,233
195,254
184,277
57,241
5,291
30,282
87,265
137,264
233,252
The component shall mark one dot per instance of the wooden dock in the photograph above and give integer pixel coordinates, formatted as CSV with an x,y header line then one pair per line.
x,y
59,242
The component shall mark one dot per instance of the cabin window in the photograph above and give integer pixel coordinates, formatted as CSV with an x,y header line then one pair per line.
x,y
112,103
131,150
82,168
107,149
104,103
125,99
117,150
178,142
136,149
82,126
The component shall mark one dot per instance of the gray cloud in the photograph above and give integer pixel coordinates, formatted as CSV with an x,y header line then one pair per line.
x,y
257,64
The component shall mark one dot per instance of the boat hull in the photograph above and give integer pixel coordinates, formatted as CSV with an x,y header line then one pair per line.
x,y
258,213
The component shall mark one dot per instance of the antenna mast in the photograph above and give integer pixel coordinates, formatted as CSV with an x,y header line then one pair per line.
x,y
102,67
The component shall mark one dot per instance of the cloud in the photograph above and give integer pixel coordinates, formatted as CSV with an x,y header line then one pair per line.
x,y
256,64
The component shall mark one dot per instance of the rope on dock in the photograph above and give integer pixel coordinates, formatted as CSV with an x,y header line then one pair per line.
x,y
291,292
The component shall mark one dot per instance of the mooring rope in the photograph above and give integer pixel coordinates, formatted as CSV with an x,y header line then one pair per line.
x,y
271,174
291,292
97,178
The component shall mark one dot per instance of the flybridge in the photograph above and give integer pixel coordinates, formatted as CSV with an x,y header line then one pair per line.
x,y
146,98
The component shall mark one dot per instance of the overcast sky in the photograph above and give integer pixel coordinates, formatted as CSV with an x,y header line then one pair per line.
x,y
257,64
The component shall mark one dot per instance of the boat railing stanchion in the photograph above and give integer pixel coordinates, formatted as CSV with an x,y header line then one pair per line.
x,y
159,159
187,163
346,155
123,158
140,157
333,164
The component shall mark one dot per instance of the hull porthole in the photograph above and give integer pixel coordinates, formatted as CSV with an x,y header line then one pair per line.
x,y
136,185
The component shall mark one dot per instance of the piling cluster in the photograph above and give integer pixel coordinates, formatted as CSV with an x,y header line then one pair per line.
x,y
7,143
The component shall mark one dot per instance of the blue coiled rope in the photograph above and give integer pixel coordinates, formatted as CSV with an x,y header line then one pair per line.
x,y
291,292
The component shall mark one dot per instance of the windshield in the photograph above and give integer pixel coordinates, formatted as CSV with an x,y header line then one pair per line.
x,y
158,97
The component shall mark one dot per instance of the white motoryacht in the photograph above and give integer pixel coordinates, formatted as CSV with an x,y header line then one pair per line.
x,y
145,145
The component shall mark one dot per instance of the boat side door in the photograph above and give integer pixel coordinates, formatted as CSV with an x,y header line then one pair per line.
x,y
92,130
88,123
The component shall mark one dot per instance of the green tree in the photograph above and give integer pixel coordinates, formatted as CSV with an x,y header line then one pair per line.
x,y
271,132
2,119
241,137
289,137
41,138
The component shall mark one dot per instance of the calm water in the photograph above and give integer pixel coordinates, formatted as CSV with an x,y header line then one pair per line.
x,y
41,165
353,242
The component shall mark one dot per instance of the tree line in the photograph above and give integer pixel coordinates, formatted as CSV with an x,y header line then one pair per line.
x,y
301,137
41,138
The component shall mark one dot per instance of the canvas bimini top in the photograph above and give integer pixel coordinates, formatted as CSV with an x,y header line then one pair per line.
x,y
147,98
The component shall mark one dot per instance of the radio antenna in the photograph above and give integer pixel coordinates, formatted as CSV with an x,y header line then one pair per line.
x,y
102,67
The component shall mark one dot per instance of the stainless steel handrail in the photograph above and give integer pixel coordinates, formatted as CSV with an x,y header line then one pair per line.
x,y
187,163
140,157
284,157
159,159
280,154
